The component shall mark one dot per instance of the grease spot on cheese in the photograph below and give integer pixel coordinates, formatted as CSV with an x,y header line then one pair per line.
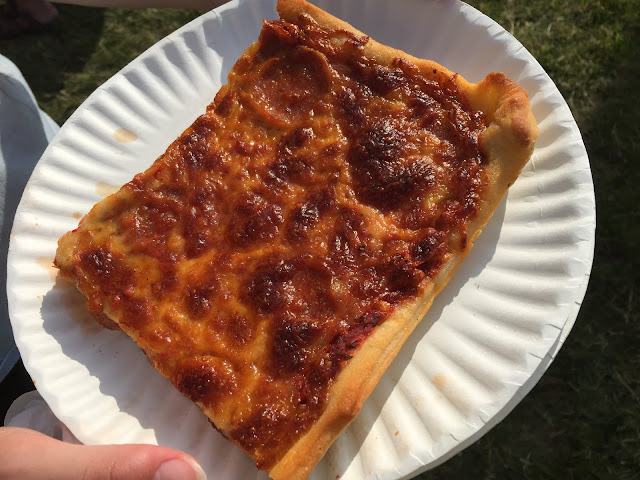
x,y
105,189
124,135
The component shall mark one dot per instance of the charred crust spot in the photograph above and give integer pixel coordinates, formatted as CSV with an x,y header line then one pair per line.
x,y
277,34
381,141
136,312
379,78
265,292
304,217
429,250
347,243
205,378
262,433
199,299
343,344
297,287
236,328
294,140
106,269
253,220
289,169
272,426
195,146
423,105
468,182
352,102
390,279
291,338
112,281
224,101
302,220
100,263
383,177
402,278
197,229
301,384
200,293
290,165
240,329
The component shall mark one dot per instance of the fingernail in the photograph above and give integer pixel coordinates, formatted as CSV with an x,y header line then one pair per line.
x,y
180,469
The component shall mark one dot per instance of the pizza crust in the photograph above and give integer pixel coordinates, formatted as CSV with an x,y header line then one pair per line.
x,y
507,143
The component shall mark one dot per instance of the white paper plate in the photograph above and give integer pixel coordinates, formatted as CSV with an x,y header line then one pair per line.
x,y
486,341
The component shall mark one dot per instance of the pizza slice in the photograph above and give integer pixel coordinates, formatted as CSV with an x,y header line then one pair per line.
x,y
272,262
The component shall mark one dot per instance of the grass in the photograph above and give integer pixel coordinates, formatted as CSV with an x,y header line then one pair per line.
x,y
582,420
84,48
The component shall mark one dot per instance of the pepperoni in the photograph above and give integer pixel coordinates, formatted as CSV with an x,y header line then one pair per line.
x,y
303,69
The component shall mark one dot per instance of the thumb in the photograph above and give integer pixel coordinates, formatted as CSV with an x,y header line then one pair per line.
x,y
29,455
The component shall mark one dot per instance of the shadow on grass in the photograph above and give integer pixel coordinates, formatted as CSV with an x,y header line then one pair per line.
x,y
48,57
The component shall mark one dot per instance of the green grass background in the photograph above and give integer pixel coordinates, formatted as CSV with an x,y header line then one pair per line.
x,y
582,421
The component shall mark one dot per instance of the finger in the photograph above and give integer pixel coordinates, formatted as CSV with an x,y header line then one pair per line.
x,y
29,455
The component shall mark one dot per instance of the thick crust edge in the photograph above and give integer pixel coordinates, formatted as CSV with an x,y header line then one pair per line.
x,y
507,144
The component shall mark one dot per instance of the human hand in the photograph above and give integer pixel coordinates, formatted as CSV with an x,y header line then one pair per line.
x,y
29,455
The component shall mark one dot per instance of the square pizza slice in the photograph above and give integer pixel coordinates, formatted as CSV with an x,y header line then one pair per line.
x,y
272,262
